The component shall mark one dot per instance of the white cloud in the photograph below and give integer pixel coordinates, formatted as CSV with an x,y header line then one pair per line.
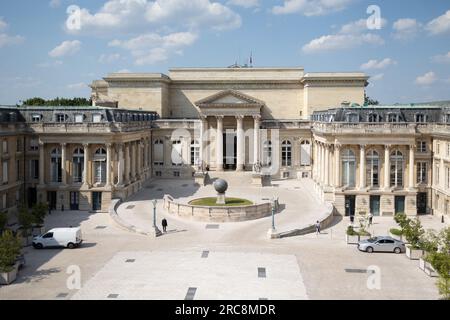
x,y
375,64
55,3
311,7
55,63
244,3
427,79
109,58
124,71
121,15
439,25
406,29
3,24
65,48
152,47
6,39
442,58
77,86
358,27
377,77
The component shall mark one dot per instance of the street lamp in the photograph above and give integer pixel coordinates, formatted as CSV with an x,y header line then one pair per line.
x,y
156,231
272,230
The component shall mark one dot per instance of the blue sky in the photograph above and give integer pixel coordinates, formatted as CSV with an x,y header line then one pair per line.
x,y
46,51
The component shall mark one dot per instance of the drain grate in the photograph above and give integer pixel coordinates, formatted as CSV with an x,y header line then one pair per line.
x,y
212,226
62,295
261,272
130,207
160,189
185,185
149,187
113,296
359,271
190,294
205,254
130,260
100,227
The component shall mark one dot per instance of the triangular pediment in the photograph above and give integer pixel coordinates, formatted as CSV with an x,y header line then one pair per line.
x,y
229,97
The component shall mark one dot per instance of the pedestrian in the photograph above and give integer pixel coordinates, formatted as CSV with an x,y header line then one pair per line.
x,y
352,219
164,225
317,227
370,218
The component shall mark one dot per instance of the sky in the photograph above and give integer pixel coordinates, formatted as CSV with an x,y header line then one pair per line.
x,y
51,48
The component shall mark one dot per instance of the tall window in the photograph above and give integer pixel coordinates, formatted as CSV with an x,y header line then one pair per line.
x,y
5,146
267,153
436,173
373,168
373,117
60,117
421,146
447,178
158,152
421,118
177,155
195,152
78,165
305,153
393,117
5,172
286,153
34,145
397,165
421,172
348,168
100,166
55,165
34,169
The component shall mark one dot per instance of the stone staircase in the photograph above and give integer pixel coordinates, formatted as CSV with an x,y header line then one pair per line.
x,y
233,178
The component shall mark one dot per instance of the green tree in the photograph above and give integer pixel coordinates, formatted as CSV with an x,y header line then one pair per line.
x,y
370,102
65,102
26,220
3,220
39,211
413,232
9,250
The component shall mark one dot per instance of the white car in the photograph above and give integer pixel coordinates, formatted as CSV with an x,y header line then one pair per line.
x,y
59,237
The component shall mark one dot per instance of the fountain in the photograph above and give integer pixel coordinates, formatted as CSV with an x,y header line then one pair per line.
x,y
221,187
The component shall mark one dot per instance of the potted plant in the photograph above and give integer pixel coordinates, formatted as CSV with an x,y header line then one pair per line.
x,y
440,261
413,232
363,234
39,211
9,250
351,236
429,244
26,220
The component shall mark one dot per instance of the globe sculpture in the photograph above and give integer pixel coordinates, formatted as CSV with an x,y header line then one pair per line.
x,y
221,187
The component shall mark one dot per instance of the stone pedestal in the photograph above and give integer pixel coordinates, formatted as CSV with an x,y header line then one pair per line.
x,y
261,180
272,234
220,198
155,232
200,178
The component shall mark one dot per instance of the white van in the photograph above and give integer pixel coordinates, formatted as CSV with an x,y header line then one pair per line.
x,y
59,237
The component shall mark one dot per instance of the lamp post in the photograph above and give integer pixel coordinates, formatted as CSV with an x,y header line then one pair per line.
x,y
156,232
272,230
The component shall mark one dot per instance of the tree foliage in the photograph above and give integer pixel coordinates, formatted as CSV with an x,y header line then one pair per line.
x,y
65,102
369,101
10,247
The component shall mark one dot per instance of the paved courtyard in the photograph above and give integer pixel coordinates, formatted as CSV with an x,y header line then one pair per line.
x,y
303,267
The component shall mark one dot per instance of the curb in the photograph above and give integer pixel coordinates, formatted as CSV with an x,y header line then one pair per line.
x,y
115,203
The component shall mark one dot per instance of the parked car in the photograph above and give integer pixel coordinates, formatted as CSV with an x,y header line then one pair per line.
x,y
382,244
59,237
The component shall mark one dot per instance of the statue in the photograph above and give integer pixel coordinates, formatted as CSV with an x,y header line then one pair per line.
x,y
257,167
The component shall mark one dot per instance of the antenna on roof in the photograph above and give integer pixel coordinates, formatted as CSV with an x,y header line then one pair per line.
x,y
251,59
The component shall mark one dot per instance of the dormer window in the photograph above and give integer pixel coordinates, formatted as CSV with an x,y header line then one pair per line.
x,y
352,117
61,117
373,117
97,118
79,118
36,118
393,117
421,118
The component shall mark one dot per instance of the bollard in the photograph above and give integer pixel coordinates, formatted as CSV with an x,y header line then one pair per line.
x,y
442,219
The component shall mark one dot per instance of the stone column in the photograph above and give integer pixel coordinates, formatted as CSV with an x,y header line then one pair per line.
x,y
327,165
203,138
319,162
108,164
362,166
322,164
63,164
257,123
127,163
411,167
133,161
219,144
337,164
86,165
387,168
120,165
41,163
139,146
240,143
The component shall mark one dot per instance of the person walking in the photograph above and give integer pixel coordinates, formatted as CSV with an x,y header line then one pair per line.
x,y
164,225
317,227
370,218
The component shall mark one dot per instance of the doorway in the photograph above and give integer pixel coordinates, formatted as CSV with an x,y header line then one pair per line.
x,y
230,151
51,198
399,204
32,197
350,205
96,201
375,205
74,201
421,203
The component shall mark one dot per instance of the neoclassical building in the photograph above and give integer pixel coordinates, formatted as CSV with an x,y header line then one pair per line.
x,y
278,122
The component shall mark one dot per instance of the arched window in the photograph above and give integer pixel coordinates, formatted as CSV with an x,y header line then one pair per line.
x,y
195,152
267,153
305,153
348,168
373,168
177,154
55,165
397,165
100,166
286,153
78,165
158,152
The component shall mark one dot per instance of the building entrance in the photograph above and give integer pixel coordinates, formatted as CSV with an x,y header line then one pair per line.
x,y
229,151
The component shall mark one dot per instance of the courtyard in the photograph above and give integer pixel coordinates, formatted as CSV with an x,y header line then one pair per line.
x,y
198,260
